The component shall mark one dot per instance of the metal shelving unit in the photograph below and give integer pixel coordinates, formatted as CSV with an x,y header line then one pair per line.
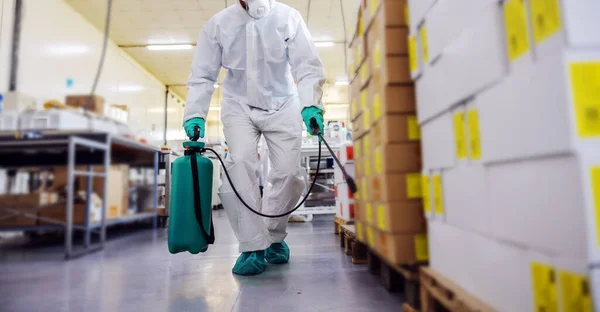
x,y
44,149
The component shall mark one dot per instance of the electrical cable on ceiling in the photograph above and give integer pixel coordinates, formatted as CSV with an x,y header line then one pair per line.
x,y
103,54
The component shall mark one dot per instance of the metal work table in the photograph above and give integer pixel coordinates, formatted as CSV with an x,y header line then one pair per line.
x,y
44,149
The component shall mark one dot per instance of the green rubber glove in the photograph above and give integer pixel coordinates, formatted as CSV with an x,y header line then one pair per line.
x,y
190,124
313,112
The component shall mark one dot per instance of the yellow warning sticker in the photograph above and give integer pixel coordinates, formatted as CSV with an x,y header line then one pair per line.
x,y
377,54
426,193
370,236
359,53
474,135
364,188
515,22
545,296
413,186
373,6
585,83
381,217
369,213
364,72
357,149
575,292
595,176
438,194
412,54
364,99
359,231
366,119
367,167
459,135
546,18
414,131
376,106
367,145
378,161
421,247
424,48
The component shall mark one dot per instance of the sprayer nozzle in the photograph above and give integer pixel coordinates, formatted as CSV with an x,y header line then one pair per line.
x,y
351,185
315,126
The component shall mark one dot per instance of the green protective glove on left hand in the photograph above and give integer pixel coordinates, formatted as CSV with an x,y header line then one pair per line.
x,y
313,112
190,124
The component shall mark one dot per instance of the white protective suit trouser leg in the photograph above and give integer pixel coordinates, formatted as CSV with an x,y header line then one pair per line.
x,y
282,129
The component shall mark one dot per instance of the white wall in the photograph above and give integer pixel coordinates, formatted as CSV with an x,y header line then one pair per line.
x,y
59,44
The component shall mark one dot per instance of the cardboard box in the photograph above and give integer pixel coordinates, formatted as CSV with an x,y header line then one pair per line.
x,y
397,158
399,217
359,210
467,70
417,9
357,127
395,187
367,145
359,227
27,203
391,99
396,129
437,142
384,40
339,176
399,249
365,72
58,213
393,13
546,195
95,104
391,70
359,168
448,18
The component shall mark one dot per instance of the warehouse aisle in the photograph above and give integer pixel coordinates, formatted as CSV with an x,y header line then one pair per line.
x,y
137,273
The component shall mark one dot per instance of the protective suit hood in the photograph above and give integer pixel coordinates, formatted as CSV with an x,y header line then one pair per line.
x,y
258,9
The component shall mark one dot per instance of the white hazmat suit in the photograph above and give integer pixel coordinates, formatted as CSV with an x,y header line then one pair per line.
x,y
262,57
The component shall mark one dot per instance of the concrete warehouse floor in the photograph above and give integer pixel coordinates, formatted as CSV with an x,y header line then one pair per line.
x,y
135,272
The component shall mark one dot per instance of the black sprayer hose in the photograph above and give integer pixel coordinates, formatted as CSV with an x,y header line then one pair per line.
x,y
252,209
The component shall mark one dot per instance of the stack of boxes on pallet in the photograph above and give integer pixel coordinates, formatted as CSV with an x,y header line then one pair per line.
x,y
386,136
344,199
508,100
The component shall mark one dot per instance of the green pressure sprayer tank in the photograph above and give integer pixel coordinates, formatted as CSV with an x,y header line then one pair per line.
x,y
190,216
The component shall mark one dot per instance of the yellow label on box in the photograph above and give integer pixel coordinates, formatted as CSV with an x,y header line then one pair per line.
x,y
515,22
361,25
545,296
595,183
370,236
364,188
378,161
364,73
381,217
421,247
575,292
359,54
413,186
364,98
359,231
459,135
376,106
373,6
546,18
377,54
367,167
585,85
424,47
474,135
366,119
414,131
369,213
367,145
354,107
426,193
412,54
438,194
357,149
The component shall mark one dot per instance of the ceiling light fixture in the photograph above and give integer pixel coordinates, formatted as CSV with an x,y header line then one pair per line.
x,y
324,44
170,47
341,83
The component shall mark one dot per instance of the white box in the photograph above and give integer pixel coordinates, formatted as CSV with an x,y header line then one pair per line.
x,y
344,201
465,198
448,18
417,10
342,192
103,125
428,196
437,142
17,102
54,120
339,176
539,204
474,61
346,153
9,121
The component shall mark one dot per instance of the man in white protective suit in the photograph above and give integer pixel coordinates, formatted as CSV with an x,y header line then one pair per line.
x,y
264,46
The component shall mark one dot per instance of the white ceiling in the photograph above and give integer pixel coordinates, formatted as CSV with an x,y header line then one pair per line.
x,y
142,22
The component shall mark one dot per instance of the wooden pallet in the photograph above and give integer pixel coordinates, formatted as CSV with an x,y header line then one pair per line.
x,y
397,278
440,294
351,245
408,308
337,222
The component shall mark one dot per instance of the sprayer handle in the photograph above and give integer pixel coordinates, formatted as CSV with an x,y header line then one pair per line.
x,y
196,133
315,126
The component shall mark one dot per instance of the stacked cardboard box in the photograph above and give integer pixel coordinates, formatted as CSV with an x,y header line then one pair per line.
x,y
508,104
344,198
387,137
